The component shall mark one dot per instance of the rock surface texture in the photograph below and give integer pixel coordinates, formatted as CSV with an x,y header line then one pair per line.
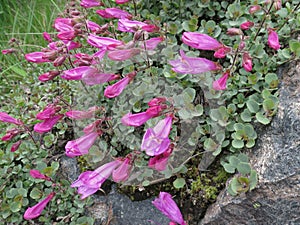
x,y
276,158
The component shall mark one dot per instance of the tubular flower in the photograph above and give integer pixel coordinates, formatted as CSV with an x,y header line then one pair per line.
x,y
94,27
36,57
273,40
47,124
246,25
76,114
81,145
122,172
200,41
234,31
221,52
113,13
4,117
247,62
48,76
121,1
193,65
159,162
220,84
254,8
48,112
90,3
126,25
15,146
103,42
38,175
8,51
277,4
123,54
47,37
98,78
155,140
135,120
35,211
168,207
116,89
89,182
151,43
77,73
10,134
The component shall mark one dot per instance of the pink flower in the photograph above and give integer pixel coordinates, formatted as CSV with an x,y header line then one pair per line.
x,y
277,4
113,13
48,112
168,207
48,76
126,25
67,35
76,114
193,65
38,175
234,31
220,84
121,1
36,57
151,43
200,41
94,27
15,146
156,141
63,24
89,182
157,101
221,52
254,9
47,37
246,25
81,145
35,211
47,124
8,51
123,54
77,73
93,127
116,89
273,40
135,120
10,134
98,78
90,3
122,172
103,42
159,162
4,117
247,62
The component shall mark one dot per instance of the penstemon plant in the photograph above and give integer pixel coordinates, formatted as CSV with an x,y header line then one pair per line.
x,y
156,93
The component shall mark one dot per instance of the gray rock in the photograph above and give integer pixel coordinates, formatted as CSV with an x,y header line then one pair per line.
x,y
120,210
115,208
276,157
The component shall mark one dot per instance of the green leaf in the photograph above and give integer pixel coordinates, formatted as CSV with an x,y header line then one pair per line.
x,y
184,114
244,168
262,119
198,110
252,105
295,47
253,180
246,115
237,143
229,168
189,95
15,206
210,145
179,183
36,193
